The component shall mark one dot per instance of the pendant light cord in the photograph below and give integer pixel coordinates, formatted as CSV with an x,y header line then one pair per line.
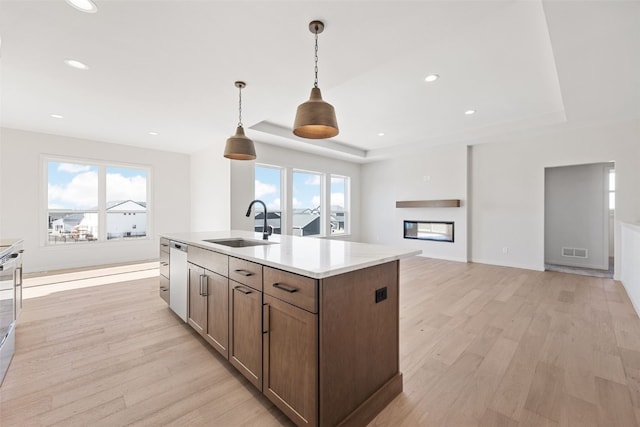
x,y
315,82
240,106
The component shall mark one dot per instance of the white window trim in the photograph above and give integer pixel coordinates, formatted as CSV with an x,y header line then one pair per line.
x,y
102,189
286,199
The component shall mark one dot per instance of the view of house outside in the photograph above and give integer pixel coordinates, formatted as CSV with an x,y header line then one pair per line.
x,y
339,186
306,203
74,207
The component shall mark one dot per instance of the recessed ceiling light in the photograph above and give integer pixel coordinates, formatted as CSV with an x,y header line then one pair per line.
x,y
76,64
153,133
381,134
470,112
84,5
431,78
56,116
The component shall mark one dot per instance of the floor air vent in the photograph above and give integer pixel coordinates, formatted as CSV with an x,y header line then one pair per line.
x,y
575,252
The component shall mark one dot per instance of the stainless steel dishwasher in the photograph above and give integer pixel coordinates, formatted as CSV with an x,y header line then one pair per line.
x,y
179,278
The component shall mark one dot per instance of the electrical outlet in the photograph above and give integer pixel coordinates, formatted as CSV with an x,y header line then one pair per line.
x,y
381,294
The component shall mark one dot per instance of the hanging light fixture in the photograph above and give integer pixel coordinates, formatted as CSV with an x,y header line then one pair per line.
x,y
315,119
239,147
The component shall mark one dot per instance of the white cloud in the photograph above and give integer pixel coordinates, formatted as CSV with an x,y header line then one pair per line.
x,y
274,205
337,199
126,188
263,189
296,203
73,168
80,193
315,201
312,180
337,180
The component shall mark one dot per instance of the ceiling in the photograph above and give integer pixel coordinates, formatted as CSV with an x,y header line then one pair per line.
x,y
169,67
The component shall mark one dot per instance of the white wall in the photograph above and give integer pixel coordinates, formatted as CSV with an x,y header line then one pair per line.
x,y
507,187
25,216
577,214
210,190
243,177
436,173
630,262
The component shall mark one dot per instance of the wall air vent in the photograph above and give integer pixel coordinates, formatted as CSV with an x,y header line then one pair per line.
x,y
580,253
575,252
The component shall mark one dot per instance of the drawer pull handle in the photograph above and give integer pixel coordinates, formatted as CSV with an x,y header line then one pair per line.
x,y
164,244
265,318
285,287
243,290
204,285
245,273
162,288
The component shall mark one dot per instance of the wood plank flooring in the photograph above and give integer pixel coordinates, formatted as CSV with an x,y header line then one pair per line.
x,y
480,346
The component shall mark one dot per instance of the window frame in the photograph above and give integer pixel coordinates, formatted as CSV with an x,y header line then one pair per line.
x,y
286,199
611,192
102,167
323,201
347,204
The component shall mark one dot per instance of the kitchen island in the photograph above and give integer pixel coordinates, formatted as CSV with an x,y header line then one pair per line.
x,y
312,323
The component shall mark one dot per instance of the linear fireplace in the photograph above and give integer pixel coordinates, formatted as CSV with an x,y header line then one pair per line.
x,y
439,231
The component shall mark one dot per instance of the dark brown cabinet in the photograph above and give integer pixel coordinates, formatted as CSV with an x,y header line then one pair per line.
x,y
208,310
245,331
290,360
324,351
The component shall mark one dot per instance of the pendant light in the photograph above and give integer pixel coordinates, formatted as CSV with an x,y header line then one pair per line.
x,y
239,147
315,119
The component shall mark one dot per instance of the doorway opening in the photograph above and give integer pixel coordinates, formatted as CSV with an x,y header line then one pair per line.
x,y
580,218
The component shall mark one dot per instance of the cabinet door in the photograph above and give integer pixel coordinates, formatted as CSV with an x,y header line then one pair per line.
x,y
218,312
291,360
245,340
197,310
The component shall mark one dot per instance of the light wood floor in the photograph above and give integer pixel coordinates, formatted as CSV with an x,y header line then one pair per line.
x,y
480,345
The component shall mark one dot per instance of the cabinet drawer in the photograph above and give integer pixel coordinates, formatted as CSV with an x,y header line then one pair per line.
x,y
164,245
164,264
298,290
213,261
164,289
246,272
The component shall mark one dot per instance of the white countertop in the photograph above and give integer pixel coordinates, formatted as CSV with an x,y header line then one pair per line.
x,y
6,244
308,256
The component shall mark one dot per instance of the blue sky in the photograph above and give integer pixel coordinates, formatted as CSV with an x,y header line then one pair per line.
x,y
306,189
75,186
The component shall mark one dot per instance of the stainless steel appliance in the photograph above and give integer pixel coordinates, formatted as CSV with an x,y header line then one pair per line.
x,y
179,278
10,301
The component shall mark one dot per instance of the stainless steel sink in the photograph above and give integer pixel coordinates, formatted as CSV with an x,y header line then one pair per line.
x,y
239,243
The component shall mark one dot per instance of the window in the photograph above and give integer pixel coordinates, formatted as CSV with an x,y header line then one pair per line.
x,y
268,188
302,203
306,202
72,192
612,189
338,198
90,202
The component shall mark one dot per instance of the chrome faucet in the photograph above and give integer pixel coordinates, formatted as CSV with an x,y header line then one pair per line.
x,y
266,230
